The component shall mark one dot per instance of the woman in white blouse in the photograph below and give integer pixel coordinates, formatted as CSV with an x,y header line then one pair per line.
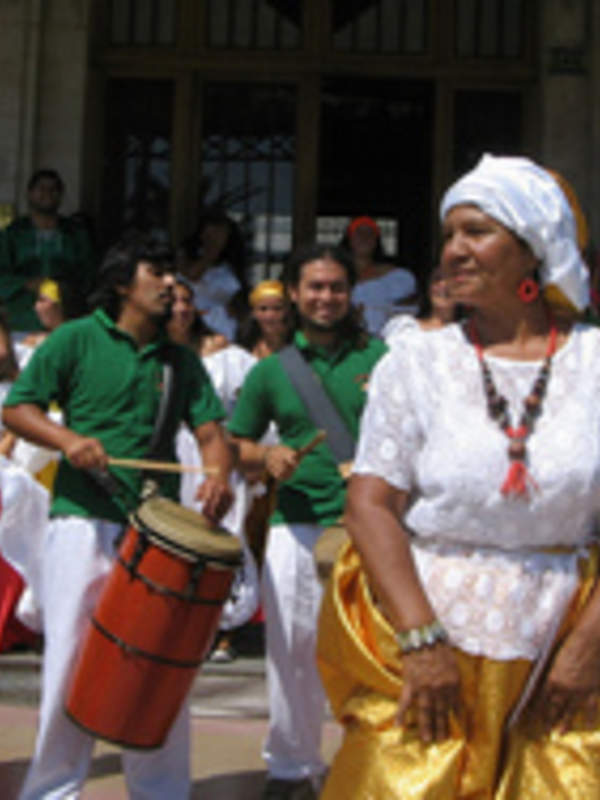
x,y
382,289
213,259
467,663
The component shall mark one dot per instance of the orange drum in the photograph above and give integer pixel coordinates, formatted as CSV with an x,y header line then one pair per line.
x,y
154,624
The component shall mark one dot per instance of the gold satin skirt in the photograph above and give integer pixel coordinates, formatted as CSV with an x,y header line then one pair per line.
x,y
379,759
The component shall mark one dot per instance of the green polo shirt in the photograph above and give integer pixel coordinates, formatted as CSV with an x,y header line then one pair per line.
x,y
316,492
110,389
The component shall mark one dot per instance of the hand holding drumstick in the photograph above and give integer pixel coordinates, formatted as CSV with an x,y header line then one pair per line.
x,y
281,461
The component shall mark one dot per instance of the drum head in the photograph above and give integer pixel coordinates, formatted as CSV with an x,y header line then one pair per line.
x,y
186,532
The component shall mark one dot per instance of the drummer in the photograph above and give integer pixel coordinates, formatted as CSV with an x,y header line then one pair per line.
x,y
339,352
105,370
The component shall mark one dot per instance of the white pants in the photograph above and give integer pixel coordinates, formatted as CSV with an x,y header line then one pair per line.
x,y
78,555
292,598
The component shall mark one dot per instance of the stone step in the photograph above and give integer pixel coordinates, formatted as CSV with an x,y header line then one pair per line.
x,y
235,689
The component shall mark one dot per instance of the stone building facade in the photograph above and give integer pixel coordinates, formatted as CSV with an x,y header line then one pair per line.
x,y
295,114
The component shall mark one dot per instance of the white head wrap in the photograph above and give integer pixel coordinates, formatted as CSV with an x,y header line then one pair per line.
x,y
528,200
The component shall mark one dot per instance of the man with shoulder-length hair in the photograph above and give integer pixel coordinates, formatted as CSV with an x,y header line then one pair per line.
x,y
334,351
105,371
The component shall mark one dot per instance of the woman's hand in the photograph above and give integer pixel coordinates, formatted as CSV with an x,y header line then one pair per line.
x,y
572,684
432,688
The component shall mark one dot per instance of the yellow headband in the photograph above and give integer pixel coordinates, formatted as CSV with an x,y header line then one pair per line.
x,y
266,289
581,223
50,290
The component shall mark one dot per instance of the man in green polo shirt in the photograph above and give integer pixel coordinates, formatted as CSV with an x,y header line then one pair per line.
x,y
310,497
42,244
105,372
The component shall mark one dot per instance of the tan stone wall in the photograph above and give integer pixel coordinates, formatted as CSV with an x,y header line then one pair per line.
x,y
43,57
594,163
59,141
12,95
569,97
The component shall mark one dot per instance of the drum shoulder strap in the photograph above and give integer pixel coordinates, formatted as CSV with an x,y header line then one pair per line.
x,y
158,442
318,403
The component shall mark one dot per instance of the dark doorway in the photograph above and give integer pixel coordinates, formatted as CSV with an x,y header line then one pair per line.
x,y
375,159
137,165
486,121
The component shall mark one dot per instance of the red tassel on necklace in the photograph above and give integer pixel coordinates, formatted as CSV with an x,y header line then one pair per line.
x,y
515,482
518,480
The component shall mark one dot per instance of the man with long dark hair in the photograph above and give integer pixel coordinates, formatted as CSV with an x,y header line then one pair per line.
x,y
105,370
337,352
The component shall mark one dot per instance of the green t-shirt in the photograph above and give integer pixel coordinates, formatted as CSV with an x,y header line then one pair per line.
x,y
109,389
63,254
316,492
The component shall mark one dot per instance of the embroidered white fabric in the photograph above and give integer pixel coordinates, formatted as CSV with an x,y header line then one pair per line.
x,y
426,430
397,326
382,297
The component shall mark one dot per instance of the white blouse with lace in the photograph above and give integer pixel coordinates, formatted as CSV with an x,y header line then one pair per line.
x,y
482,556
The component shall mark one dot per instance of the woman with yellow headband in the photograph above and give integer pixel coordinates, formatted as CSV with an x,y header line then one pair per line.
x,y
268,325
56,303
48,306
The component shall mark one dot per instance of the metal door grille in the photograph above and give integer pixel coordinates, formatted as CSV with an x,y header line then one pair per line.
x,y
248,157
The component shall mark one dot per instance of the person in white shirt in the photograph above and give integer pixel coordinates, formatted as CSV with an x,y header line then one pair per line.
x,y
213,259
382,289
460,635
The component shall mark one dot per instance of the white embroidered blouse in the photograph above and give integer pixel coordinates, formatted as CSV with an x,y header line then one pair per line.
x,y
480,554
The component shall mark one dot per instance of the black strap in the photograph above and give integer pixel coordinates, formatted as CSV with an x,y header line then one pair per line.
x,y
158,442
318,402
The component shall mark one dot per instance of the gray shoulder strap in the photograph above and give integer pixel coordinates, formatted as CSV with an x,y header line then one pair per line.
x,y
318,403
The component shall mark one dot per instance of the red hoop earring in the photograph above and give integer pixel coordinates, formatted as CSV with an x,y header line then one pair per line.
x,y
528,290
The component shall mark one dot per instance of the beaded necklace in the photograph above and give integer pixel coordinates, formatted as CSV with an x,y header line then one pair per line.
x,y
517,478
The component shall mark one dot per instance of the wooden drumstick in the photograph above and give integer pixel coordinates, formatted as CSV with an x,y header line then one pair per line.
x,y
160,466
303,451
345,468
